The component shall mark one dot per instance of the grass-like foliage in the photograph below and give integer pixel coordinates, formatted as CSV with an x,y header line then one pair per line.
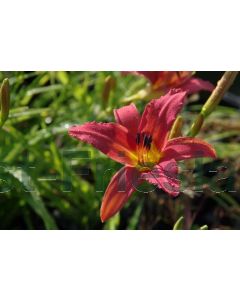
x,y
51,181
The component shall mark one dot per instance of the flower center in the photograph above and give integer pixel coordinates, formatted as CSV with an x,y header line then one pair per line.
x,y
147,153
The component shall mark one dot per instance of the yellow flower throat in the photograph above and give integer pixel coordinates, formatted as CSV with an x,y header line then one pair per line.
x,y
147,153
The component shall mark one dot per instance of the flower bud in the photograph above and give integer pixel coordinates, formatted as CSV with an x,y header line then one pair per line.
x,y
140,95
176,130
4,101
204,227
179,224
108,86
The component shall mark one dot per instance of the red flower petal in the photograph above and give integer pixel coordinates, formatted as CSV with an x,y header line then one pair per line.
x,y
112,139
129,117
159,116
164,175
171,79
194,85
165,80
152,76
185,148
120,188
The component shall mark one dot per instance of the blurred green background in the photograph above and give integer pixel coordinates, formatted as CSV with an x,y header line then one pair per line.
x,y
51,181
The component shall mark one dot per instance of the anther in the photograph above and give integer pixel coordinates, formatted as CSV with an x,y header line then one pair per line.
x,y
138,138
147,142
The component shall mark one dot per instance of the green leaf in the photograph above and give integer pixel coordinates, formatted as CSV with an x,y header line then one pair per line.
x,y
227,150
35,200
113,223
63,77
179,224
134,220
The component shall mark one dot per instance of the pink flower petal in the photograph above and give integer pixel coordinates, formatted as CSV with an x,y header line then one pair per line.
x,y
120,188
185,148
164,175
112,139
159,116
129,117
194,85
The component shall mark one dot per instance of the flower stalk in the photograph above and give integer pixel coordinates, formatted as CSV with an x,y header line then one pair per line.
x,y
222,87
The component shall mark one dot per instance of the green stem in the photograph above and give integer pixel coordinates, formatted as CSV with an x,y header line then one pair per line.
x,y
222,86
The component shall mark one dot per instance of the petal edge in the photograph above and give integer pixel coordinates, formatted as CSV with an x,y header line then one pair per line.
x,y
182,148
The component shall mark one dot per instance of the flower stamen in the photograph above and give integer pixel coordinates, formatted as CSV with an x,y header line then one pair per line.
x,y
144,143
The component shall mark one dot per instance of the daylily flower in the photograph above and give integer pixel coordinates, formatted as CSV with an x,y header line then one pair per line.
x,y
162,81
165,80
143,146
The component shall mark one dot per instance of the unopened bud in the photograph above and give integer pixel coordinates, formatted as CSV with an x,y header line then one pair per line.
x,y
108,87
143,94
4,101
176,130
204,227
179,224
